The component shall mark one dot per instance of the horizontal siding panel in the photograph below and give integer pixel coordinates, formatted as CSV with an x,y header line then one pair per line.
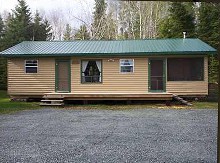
x,y
113,80
21,83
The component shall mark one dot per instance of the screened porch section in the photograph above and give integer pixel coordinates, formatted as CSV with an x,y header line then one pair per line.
x,y
185,69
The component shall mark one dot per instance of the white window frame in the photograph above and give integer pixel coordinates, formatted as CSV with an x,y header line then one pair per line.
x,y
25,66
120,61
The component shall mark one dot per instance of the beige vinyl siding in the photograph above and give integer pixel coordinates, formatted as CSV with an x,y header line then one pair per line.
x,y
190,87
21,83
113,81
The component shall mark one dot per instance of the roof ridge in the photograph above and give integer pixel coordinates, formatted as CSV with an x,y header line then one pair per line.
x,y
115,40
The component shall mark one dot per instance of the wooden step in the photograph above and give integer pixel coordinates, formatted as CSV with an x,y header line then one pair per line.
x,y
176,97
52,102
53,96
46,104
48,100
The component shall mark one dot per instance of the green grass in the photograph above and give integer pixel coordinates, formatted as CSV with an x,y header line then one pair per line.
x,y
7,106
205,105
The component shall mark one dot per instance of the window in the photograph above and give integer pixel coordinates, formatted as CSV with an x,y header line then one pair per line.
x,y
91,71
127,65
31,66
185,69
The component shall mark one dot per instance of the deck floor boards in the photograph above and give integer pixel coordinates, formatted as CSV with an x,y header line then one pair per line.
x,y
110,96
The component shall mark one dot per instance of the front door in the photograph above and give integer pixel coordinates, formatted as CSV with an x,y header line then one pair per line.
x,y
62,76
157,75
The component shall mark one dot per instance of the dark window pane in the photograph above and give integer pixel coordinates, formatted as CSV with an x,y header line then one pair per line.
x,y
126,68
91,72
185,69
31,69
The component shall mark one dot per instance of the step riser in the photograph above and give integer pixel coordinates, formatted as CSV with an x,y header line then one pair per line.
x,y
54,101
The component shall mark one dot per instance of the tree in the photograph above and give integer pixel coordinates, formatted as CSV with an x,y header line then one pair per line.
x,y
3,62
82,33
178,21
58,22
139,20
208,31
99,16
1,27
111,30
68,33
19,26
40,29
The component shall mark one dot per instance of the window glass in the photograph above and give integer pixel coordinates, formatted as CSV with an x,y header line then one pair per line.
x,y
91,71
31,66
126,65
185,69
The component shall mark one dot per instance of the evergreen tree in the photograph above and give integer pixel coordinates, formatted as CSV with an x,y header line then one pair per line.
x,y
40,29
1,27
3,61
179,21
208,31
82,33
19,26
3,73
68,33
99,20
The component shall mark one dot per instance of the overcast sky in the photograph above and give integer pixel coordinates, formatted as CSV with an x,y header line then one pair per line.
x,y
70,8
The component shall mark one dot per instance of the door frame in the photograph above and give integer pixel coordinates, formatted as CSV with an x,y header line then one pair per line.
x,y
164,74
57,74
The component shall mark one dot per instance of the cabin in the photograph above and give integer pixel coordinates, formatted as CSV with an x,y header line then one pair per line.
x,y
149,69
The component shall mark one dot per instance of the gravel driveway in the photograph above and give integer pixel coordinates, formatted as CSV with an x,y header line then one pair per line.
x,y
140,135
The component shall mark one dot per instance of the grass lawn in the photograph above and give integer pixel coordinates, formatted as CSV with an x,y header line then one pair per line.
x,y
6,106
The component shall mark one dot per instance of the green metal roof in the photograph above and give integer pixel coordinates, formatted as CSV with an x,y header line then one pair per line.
x,y
110,48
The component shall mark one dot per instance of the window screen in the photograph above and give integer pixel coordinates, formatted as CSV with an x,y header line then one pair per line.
x,y
127,65
185,69
31,66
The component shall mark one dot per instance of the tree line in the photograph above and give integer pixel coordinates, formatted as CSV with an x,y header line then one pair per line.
x,y
114,20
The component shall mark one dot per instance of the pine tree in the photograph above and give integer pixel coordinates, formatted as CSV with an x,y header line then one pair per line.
x,y
99,20
68,33
208,31
179,21
40,29
3,73
1,27
19,26
3,61
82,33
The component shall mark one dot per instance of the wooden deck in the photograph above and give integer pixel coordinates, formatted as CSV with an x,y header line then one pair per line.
x,y
109,96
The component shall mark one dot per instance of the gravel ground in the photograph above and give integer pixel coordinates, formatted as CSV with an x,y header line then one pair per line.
x,y
140,135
